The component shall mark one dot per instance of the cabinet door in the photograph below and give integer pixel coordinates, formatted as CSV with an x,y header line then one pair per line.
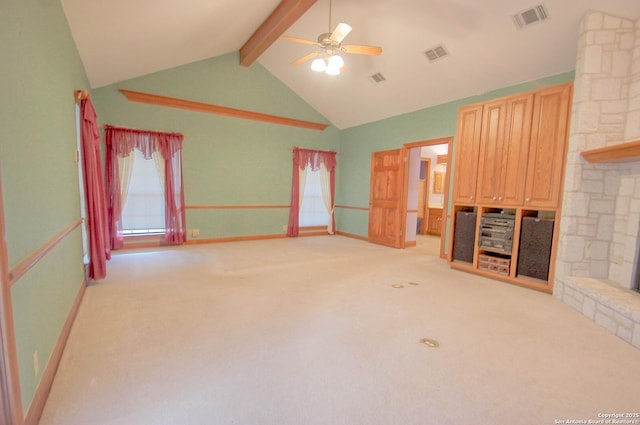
x,y
435,221
491,147
515,151
548,143
467,148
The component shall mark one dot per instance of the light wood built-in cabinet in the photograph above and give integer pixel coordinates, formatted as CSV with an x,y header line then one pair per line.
x,y
467,150
509,167
549,133
504,150
434,224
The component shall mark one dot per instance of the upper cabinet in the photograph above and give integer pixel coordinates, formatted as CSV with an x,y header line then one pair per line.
x,y
467,149
548,143
504,150
515,150
510,151
492,140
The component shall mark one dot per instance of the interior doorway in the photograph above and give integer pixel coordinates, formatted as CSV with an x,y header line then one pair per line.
x,y
426,193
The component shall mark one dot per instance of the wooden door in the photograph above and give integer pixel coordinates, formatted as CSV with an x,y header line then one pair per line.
x,y
548,143
491,144
386,218
466,157
515,150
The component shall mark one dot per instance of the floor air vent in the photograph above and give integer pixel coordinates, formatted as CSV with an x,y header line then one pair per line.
x,y
436,53
530,16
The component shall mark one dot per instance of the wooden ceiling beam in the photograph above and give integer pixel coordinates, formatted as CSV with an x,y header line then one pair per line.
x,y
285,15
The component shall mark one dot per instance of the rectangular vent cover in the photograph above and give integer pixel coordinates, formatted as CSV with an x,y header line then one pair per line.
x,y
531,16
436,53
377,78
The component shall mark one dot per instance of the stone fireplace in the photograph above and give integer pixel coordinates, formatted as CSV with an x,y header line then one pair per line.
x,y
600,221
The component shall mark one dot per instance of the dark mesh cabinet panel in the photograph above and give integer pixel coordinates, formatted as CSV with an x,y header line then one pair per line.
x,y
535,247
464,237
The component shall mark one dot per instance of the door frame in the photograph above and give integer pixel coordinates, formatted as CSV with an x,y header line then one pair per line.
x,y
446,211
425,207
10,401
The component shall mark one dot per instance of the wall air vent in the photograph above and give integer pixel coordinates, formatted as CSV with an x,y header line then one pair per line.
x,y
531,16
436,53
377,78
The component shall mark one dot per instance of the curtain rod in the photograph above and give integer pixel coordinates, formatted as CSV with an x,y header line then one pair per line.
x,y
79,95
292,148
122,127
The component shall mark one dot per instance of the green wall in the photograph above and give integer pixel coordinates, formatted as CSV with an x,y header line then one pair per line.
x,y
231,161
39,70
226,160
357,144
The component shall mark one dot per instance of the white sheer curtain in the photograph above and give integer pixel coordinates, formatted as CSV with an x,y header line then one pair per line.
x,y
159,161
325,187
125,167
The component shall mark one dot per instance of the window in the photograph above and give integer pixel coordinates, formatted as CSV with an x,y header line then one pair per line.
x,y
313,211
162,150
320,186
143,210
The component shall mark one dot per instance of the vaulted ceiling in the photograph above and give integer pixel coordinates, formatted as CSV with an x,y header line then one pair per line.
x,y
486,50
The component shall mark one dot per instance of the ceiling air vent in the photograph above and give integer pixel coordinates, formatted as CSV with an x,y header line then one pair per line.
x,y
530,16
436,53
377,78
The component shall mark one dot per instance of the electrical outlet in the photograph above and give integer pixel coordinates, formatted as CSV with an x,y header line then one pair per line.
x,y
36,363
195,233
284,227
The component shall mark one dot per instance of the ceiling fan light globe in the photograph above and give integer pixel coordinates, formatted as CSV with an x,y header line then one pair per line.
x,y
318,65
333,70
336,61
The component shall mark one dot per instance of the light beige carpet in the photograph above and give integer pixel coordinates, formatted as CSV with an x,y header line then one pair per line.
x,y
428,244
312,331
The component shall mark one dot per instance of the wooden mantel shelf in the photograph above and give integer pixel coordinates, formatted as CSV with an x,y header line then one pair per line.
x,y
623,152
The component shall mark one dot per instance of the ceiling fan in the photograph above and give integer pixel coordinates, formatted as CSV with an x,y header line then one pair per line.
x,y
327,57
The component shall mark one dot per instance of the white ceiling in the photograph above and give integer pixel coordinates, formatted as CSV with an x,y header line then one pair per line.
x,y
119,40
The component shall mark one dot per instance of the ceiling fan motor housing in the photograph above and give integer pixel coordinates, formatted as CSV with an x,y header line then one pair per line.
x,y
325,40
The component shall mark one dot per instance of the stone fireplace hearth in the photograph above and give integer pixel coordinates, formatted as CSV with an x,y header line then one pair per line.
x,y
600,221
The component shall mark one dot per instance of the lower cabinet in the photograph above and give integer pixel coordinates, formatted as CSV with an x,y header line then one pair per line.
x,y
434,225
511,244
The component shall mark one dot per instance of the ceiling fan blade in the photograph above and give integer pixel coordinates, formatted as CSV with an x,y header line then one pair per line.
x,y
305,58
362,50
341,31
299,40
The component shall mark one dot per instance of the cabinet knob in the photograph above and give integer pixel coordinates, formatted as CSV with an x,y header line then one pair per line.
x,y
528,200
500,198
494,198
471,197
